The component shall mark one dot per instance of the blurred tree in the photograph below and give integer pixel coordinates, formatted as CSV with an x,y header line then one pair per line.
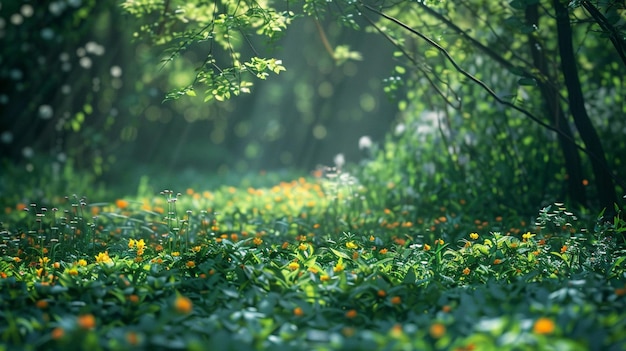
x,y
558,64
59,79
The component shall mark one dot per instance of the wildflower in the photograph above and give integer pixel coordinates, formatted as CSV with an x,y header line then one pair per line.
x,y
325,278
131,243
620,291
42,304
302,246
355,255
313,270
72,271
183,305
285,245
339,267
103,257
3,275
256,241
466,271
437,330
351,245
43,261
86,321
383,251
543,325
175,253
190,264
426,247
396,330
132,338
497,261
446,308
526,236
347,331
57,333
121,204
563,248
133,298
474,236
293,266
298,312
372,238
17,259
381,293
396,300
351,314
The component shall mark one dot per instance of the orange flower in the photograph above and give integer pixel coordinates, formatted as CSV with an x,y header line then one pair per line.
x,y
298,312
351,314
57,333
466,271
86,321
383,251
437,330
426,247
190,264
183,305
381,293
396,300
544,325
563,248
42,304
497,261
121,204
257,241
132,338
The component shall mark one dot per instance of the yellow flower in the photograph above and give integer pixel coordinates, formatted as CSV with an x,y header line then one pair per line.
x,y
72,271
466,271
131,243
293,266
544,325
426,247
103,257
82,262
302,246
43,261
527,236
256,241
140,244
474,236
339,267
175,253
190,264
351,245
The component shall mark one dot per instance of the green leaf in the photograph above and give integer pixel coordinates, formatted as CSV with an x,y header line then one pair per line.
x,y
527,82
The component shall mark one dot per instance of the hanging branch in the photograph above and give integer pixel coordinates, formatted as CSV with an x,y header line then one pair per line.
x,y
490,91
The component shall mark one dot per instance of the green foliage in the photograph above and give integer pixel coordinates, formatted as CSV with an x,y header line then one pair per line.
x,y
311,263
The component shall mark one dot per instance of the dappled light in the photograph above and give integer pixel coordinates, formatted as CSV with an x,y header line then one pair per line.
x,y
312,175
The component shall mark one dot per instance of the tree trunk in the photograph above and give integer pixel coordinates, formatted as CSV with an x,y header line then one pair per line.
x,y
552,105
603,178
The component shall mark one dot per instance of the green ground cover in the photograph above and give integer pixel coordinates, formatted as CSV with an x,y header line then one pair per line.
x,y
313,263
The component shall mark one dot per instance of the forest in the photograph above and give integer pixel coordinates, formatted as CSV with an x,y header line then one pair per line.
x,y
312,174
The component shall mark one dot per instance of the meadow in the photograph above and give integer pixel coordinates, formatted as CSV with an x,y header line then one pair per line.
x,y
313,263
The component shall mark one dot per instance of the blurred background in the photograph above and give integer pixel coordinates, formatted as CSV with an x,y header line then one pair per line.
x,y
78,87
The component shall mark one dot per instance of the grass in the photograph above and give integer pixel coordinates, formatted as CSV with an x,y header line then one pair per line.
x,y
306,264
